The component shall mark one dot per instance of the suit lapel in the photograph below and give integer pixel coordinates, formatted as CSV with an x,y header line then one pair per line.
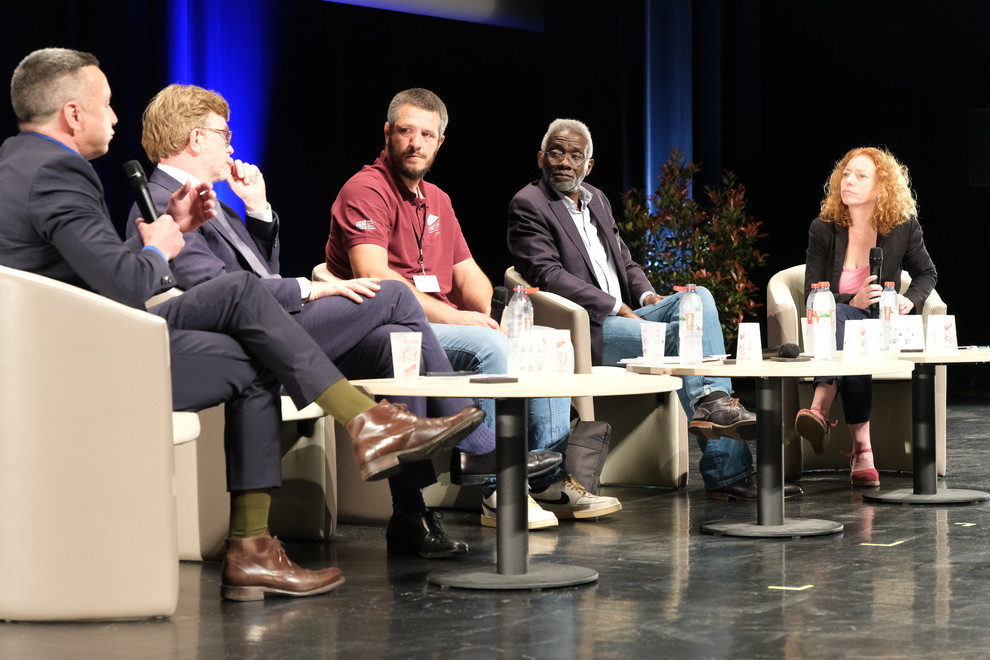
x,y
566,222
227,224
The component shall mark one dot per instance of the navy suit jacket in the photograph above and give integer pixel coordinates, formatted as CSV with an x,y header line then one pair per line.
x,y
209,253
54,222
548,251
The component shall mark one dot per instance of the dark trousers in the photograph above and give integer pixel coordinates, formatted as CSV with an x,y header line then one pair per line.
x,y
356,337
232,343
856,391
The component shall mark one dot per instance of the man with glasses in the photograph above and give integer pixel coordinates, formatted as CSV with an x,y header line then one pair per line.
x,y
563,239
185,133
388,222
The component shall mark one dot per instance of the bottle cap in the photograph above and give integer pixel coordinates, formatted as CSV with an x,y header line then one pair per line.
x,y
890,284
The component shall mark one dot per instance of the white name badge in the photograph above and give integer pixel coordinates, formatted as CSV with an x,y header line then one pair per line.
x,y
427,283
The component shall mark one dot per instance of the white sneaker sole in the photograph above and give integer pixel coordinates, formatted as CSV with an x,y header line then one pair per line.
x,y
492,521
581,513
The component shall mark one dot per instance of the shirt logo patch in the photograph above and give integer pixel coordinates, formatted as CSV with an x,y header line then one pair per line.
x,y
433,224
365,225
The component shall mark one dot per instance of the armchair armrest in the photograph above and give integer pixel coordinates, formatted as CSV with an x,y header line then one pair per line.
x,y
783,318
555,311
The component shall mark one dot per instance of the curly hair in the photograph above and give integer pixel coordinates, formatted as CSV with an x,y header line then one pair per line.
x,y
895,199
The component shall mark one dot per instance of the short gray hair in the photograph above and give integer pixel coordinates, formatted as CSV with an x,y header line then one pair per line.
x,y
419,98
568,125
45,80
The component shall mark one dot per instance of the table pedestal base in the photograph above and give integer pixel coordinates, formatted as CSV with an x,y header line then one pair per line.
x,y
942,496
792,527
545,576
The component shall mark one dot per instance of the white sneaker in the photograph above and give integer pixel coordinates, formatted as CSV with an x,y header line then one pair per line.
x,y
568,499
538,518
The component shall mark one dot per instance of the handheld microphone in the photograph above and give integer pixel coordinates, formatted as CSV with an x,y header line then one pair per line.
x,y
500,298
876,262
139,184
789,351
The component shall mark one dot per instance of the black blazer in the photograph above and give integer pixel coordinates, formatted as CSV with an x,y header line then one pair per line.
x,y
903,249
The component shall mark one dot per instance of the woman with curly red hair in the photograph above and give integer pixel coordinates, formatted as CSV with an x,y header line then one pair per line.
x,y
868,203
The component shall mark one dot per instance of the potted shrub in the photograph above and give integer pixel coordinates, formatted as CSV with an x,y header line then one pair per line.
x,y
712,243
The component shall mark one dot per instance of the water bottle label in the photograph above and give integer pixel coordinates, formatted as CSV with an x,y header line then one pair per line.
x,y
688,321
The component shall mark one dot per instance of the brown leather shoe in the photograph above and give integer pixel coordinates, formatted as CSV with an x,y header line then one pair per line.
x,y
388,434
255,566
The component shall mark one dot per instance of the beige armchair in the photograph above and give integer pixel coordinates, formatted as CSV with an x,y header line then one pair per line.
x,y
649,432
86,456
890,427
304,508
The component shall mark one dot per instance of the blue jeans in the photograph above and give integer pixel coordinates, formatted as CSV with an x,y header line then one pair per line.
x,y
725,460
473,348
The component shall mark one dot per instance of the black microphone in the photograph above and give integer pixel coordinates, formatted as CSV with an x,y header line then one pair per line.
x,y
783,351
500,298
139,184
876,262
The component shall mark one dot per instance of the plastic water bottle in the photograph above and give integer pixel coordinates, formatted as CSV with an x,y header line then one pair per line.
x,y
517,319
888,312
689,327
808,327
518,314
824,306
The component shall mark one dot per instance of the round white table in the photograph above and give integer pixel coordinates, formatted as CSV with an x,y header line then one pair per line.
x,y
925,487
512,570
770,520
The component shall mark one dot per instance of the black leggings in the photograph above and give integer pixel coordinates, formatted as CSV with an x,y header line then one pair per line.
x,y
856,391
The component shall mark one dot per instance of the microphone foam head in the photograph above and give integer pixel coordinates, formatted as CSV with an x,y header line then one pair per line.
x,y
789,351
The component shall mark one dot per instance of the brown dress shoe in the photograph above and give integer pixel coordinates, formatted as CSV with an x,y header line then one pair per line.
x,y
259,565
388,433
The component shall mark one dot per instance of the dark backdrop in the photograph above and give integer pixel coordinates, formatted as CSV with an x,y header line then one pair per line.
x,y
780,91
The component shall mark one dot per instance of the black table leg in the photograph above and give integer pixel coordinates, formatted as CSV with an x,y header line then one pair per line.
x,y
925,489
512,569
770,520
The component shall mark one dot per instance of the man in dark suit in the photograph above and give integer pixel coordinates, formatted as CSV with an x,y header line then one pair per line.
x,y
230,340
185,132
563,239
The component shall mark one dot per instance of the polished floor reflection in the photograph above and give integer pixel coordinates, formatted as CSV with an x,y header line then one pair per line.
x,y
898,582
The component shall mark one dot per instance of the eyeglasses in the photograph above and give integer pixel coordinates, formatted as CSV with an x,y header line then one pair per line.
x,y
557,157
226,134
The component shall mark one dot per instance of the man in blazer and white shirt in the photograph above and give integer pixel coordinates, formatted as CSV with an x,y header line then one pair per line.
x,y
563,239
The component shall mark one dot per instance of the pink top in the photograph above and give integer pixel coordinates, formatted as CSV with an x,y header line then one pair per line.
x,y
852,279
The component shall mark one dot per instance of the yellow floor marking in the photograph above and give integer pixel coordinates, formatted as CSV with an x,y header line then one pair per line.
x,y
807,586
884,545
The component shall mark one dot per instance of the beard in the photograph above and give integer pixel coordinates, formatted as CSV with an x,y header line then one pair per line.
x,y
562,183
407,171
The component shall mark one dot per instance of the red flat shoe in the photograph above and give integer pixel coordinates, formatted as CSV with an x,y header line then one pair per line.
x,y
813,426
868,478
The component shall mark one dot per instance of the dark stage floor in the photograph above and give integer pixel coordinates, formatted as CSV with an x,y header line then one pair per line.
x,y
899,582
